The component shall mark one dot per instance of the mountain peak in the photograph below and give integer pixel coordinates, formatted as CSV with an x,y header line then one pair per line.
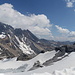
x,y
19,43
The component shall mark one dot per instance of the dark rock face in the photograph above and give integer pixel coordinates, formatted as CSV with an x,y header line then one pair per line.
x,y
23,57
36,65
18,32
66,48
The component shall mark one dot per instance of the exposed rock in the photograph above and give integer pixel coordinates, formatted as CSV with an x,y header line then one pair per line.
x,y
24,57
66,48
36,65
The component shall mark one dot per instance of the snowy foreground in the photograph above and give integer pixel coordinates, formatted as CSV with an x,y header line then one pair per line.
x,y
66,66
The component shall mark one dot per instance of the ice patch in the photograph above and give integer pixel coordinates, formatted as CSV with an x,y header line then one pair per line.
x,y
2,36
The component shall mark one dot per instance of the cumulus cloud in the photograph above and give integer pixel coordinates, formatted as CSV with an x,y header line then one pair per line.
x,y
72,33
38,24
65,31
70,3
62,30
67,34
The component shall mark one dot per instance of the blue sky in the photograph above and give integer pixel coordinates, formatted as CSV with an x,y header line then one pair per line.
x,y
55,19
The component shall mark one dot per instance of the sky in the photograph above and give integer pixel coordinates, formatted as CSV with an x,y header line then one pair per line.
x,y
48,19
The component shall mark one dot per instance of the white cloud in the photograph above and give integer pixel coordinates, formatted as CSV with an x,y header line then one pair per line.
x,y
62,30
72,33
65,31
38,24
67,34
70,3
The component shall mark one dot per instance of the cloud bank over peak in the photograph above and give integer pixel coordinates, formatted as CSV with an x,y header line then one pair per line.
x,y
38,24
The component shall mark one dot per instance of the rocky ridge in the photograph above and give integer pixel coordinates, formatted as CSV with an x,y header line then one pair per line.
x,y
20,43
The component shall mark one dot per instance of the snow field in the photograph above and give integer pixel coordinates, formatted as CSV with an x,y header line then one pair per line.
x,y
66,66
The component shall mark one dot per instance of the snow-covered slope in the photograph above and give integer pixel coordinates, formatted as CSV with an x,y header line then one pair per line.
x,y
12,63
66,66
62,67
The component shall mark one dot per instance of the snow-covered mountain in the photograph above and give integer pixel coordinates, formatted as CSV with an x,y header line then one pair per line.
x,y
20,43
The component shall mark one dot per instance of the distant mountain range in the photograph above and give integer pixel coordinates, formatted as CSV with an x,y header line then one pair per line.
x,y
23,44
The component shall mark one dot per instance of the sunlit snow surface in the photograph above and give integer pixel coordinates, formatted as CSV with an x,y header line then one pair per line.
x,y
66,66
2,74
